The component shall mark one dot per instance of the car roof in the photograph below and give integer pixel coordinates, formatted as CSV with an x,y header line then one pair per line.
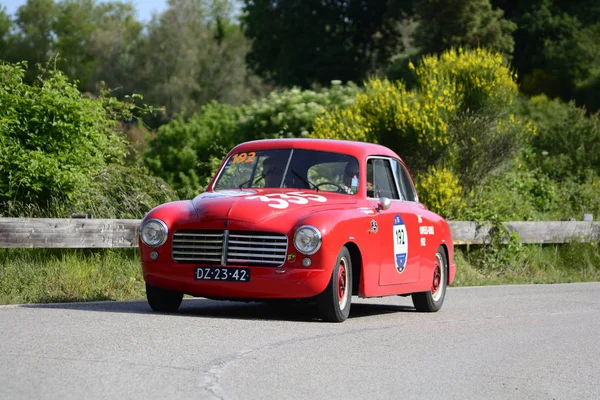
x,y
360,150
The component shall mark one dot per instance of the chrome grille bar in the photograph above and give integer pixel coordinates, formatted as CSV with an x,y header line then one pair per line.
x,y
198,246
226,247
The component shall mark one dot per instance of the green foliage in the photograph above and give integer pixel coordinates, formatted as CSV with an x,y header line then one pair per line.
x,y
291,113
503,251
58,148
484,143
557,45
339,40
467,23
455,116
567,143
523,194
6,25
33,40
96,43
53,139
187,152
182,151
194,53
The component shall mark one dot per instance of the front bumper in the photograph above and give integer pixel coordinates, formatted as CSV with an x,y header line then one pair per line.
x,y
265,282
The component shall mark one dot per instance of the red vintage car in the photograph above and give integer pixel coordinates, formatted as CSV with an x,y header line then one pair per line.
x,y
312,219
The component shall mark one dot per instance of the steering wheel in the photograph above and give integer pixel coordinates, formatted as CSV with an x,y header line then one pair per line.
x,y
340,188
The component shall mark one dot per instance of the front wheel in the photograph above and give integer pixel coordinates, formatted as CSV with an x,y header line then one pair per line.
x,y
432,300
334,302
163,300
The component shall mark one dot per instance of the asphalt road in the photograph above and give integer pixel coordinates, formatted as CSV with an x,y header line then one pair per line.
x,y
537,342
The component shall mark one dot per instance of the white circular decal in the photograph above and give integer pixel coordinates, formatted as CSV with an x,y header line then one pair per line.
x,y
400,244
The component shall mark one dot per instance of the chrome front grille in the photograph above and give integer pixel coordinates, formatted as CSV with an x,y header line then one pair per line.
x,y
256,248
229,247
198,246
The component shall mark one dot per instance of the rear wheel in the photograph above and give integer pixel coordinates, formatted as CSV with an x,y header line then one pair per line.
x,y
163,300
433,299
334,302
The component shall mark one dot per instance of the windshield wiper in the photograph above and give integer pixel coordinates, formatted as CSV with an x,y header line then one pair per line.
x,y
306,182
261,176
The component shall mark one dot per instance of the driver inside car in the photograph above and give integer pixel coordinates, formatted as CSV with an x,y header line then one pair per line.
x,y
350,178
273,172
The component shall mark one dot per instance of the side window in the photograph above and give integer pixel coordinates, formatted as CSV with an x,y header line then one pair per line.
x,y
405,183
380,179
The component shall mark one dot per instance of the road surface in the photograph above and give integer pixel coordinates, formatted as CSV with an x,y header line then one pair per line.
x,y
502,342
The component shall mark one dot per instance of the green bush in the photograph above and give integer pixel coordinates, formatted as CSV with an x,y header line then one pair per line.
x,y
183,151
567,143
186,153
523,194
57,149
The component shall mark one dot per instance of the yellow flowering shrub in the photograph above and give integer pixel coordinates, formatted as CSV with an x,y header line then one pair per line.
x,y
440,190
413,124
478,77
456,115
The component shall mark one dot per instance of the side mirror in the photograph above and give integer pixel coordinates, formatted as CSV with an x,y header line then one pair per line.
x,y
384,203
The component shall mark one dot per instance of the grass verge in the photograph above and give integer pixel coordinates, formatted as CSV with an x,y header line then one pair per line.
x,y
573,262
67,275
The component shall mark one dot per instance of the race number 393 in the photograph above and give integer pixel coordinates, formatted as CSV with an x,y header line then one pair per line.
x,y
400,244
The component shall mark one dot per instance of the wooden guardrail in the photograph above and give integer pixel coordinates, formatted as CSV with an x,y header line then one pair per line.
x,y
123,233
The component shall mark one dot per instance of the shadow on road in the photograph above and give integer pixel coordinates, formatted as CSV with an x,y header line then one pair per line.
x,y
206,308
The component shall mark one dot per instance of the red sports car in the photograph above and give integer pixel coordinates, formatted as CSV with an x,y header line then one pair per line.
x,y
311,219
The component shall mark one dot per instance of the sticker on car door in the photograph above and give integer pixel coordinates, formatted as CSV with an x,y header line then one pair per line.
x,y
400,244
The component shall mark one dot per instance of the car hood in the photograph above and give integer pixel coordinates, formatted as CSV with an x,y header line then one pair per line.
x,y
257,206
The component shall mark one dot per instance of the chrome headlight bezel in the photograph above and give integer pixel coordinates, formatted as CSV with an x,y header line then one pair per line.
x,y
162,227
317,239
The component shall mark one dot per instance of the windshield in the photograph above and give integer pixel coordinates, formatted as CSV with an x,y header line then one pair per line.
x,y
290,168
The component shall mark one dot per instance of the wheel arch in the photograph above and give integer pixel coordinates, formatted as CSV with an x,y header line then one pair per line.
x,y
356,260
444,246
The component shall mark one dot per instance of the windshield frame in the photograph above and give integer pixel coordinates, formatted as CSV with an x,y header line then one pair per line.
x,y
295,166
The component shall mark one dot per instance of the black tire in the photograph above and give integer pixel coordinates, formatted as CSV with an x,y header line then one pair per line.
x,y
432,300
163,300
334,302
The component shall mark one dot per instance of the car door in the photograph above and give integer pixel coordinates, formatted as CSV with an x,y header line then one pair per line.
x,y
398,227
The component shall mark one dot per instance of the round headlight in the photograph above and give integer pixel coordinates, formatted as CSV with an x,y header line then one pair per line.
x,y
154,232
307,239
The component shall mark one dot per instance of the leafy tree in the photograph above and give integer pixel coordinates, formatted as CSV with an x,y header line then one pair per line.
x,y
557,46
92,42
194,53
72,26
95,42
61,151
301,43
468,23
567,144
6,26
114,46
34,34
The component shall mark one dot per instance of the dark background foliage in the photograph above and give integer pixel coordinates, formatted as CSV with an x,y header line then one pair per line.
x,y
214,73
